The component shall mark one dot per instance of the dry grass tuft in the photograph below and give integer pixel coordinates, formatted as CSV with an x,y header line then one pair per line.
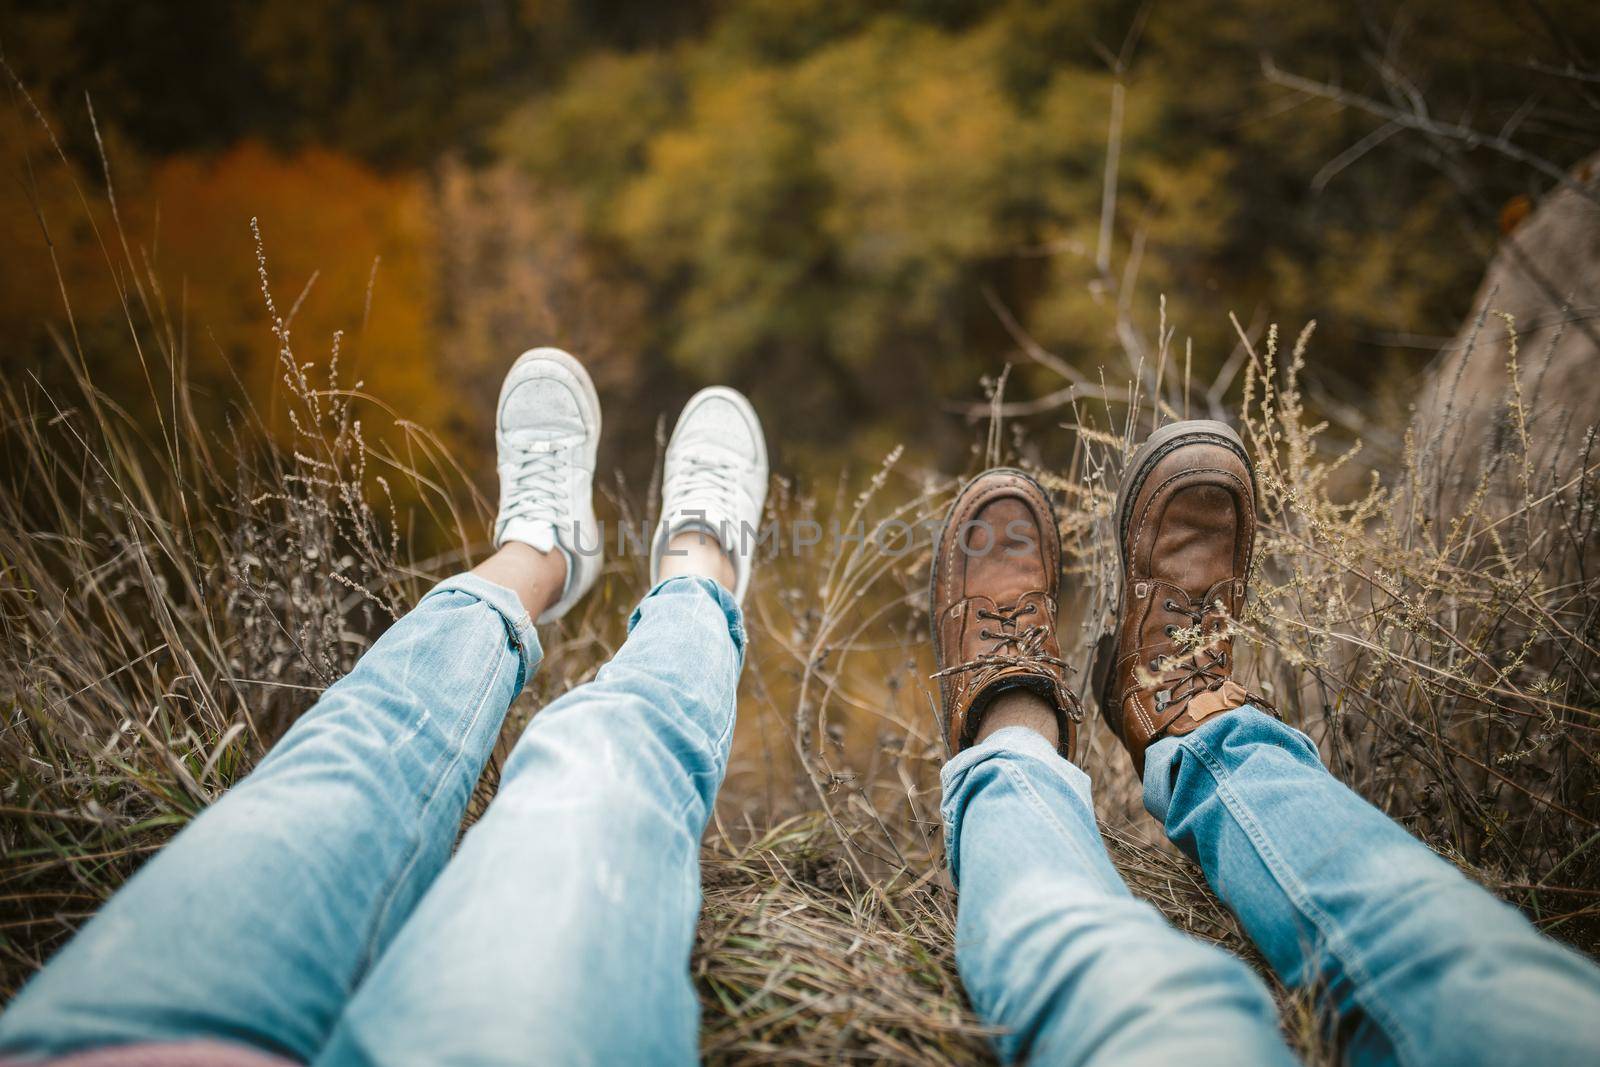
x,y
1437,628
795,966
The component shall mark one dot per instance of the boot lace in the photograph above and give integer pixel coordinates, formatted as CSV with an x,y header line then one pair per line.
x,y
1014,645
1203,669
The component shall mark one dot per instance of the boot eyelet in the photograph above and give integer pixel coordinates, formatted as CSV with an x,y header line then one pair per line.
x,y
1155,665
1171,631
984,634
1170,604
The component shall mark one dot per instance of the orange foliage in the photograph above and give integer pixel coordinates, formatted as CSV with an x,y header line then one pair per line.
x,y
186,220
328,222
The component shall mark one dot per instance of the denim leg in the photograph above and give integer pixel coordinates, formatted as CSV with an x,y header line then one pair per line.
x,y
1420,965
561,931
257,920
1053,948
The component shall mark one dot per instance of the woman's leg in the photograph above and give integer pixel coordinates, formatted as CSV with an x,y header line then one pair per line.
x,y
255,924
561,931
259,918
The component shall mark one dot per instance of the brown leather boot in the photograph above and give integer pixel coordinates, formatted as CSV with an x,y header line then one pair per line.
x,y
1187,520
996,572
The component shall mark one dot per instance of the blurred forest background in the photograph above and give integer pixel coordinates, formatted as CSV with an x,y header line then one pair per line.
x,y
837,207
860,214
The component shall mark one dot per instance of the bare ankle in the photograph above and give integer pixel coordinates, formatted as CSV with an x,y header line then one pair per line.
x,y
538,578
696,552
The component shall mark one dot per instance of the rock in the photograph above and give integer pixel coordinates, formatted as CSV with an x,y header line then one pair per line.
x,y
1546,276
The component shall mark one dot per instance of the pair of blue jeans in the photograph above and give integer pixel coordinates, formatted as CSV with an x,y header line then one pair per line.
x,y
1416,964
316,911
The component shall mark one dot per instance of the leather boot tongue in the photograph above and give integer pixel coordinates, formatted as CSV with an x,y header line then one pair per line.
x,y
1004,552
1194,542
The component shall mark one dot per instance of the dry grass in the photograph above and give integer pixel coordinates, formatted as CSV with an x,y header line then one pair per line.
x,y
169,600
1438,631
795,965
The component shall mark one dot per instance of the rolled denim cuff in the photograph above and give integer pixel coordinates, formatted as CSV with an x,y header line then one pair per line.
x,y
692,585
506,604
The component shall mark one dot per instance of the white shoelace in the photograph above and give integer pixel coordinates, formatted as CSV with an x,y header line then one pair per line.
x,y
538,481
706,485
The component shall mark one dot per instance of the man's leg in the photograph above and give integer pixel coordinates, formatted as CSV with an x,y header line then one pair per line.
x,y
1053,948
561,931
259,918
1421,965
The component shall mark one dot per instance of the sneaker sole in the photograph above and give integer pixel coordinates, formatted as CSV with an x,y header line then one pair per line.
x,y
738,400
570,363
591,400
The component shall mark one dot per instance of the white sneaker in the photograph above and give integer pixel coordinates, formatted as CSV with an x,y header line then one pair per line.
x,y
546,431
715,479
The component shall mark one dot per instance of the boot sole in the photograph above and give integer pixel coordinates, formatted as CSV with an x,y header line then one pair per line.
x,y
1164,441
933,574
